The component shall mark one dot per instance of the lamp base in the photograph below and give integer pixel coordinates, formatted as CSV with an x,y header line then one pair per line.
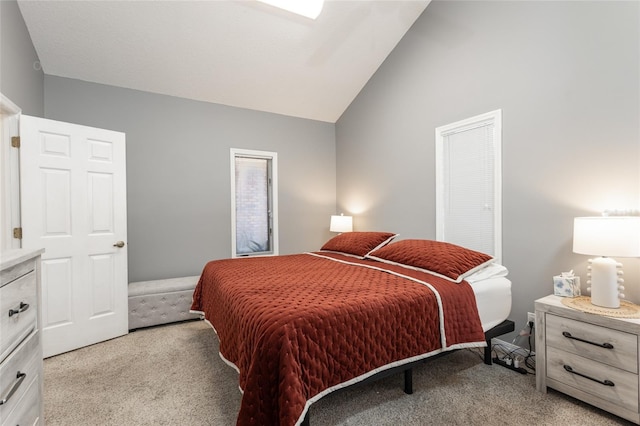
x,y
604,282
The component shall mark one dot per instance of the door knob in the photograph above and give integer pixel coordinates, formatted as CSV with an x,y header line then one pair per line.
x,y
119,244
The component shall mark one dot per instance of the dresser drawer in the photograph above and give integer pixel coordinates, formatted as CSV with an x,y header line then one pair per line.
x,y
27,411
18,312
25,360
624,391
602,344
16,271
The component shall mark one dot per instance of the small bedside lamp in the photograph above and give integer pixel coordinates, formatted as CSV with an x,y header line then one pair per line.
x,y
341,223
606,236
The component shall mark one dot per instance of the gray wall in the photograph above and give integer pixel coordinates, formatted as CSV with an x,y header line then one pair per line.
x,y
566,76
178,174
21,77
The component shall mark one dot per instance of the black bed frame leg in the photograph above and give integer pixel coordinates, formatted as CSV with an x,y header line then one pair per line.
x,y
487,353
504,327
408,381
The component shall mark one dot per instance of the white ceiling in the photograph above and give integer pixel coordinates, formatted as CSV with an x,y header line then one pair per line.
x,y
240,53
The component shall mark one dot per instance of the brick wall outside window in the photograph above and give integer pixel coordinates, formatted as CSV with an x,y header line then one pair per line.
x,y
252,205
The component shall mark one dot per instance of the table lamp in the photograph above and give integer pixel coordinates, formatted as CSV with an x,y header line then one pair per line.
x,y
341,223
605,236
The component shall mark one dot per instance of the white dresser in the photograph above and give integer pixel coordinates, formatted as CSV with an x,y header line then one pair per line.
x,y
20,339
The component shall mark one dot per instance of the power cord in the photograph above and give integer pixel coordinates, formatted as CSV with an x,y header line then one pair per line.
x,y
514,358
529,360
520,358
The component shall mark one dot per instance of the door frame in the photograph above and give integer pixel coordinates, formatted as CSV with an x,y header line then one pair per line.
x,y
10,174
491,119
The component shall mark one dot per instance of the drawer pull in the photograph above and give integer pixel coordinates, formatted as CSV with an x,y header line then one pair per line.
x,y
23,307
602,382
600,345
19,379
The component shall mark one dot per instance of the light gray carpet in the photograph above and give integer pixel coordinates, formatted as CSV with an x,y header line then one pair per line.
x,y
172,375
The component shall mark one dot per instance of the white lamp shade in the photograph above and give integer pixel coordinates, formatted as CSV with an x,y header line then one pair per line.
x,y
341,223
614,236
308,8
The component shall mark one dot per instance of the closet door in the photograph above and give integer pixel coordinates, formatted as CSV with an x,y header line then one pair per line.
x,y
73,200
469,183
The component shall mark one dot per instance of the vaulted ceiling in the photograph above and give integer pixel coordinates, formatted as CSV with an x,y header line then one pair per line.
x,y
241,53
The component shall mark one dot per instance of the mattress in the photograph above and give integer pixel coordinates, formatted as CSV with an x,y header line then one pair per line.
x,y
493,297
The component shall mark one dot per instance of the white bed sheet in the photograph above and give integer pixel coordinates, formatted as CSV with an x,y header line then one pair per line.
x,y
493,297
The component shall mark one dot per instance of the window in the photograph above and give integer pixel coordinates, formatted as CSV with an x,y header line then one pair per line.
x,y
254,203
469,183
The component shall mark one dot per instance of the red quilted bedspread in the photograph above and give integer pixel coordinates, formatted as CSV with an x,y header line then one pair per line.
x,y
298,325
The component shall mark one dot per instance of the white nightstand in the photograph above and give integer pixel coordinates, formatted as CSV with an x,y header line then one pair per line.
x,y
590,357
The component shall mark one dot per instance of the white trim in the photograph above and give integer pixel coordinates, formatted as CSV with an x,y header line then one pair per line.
x,y
273,156
8,107
490,118
10,174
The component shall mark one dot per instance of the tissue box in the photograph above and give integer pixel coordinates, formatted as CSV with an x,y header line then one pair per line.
x,y
566,286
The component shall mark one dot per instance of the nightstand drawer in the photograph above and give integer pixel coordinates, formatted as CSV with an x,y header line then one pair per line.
x,y
622,387
602,344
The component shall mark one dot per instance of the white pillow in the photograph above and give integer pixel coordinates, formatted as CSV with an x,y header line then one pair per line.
x,y
492,270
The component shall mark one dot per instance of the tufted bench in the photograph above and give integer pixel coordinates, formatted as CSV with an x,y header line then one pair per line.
x,y
161,301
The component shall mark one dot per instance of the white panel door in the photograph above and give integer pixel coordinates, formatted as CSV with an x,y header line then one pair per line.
x,y
73,200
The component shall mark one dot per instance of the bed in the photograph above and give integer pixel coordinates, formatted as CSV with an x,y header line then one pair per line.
x,y
298,327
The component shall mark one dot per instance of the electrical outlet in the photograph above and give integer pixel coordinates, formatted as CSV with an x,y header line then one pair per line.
x,y
531,317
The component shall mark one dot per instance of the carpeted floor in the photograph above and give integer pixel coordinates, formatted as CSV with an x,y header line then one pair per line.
x,y
172,375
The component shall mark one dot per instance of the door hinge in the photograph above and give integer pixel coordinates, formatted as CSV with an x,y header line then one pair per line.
x,y
17,233
15,141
